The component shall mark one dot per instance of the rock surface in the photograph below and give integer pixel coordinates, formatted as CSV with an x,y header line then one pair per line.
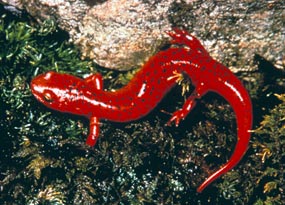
x,y
122,34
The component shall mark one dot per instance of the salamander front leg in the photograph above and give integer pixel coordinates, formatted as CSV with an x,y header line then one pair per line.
x,y
189,104
95,80
94,131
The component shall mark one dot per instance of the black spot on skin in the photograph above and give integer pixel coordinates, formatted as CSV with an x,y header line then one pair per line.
x,y
203,68
165,57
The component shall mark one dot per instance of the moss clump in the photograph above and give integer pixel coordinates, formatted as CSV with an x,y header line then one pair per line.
x,y
44,159
269,146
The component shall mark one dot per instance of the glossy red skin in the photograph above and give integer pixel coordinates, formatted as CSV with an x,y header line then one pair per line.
x,y
67,93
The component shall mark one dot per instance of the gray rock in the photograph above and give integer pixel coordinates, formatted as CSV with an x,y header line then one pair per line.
x,y
123,34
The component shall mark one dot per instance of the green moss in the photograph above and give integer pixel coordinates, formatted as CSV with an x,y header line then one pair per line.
x,y
270,150
44,159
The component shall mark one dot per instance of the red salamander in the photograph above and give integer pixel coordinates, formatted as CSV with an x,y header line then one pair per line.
x,y
86,97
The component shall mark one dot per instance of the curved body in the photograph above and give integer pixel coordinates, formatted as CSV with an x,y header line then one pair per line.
x,y
86,97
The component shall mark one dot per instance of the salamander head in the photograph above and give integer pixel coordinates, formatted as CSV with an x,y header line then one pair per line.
x,y
53,90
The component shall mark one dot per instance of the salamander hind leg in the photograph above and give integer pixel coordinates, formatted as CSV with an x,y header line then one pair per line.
x,y
183,37
189,104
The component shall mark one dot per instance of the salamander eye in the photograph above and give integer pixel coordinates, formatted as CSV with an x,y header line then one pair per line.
x,y
48,97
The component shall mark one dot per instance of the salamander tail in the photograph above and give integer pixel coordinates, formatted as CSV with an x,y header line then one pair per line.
x,y
240,101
